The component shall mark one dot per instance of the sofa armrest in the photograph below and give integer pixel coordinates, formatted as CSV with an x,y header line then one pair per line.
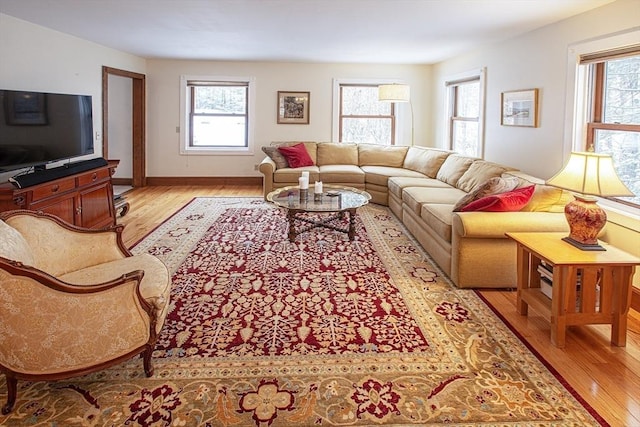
x,y
267,167
495,224
50,326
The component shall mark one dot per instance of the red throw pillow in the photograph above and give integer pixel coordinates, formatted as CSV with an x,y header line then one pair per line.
x,y
510,201
297,155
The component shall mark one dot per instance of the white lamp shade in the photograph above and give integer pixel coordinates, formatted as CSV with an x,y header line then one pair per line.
x,y
394,93
591,174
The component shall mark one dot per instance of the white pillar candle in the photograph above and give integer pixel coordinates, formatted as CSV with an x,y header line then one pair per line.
x,y
304,183
305,174
318,187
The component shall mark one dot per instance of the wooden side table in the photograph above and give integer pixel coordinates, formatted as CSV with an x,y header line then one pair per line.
x,y
589,287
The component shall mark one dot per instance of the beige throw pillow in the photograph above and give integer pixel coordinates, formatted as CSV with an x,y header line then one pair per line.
x,y
544,198
425,160
453,168
496,185
478,173
276,156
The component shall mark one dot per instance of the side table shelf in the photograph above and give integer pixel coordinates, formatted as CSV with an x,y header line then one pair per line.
x,y
604,293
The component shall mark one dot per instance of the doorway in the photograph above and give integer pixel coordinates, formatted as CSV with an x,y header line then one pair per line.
x,y
136,85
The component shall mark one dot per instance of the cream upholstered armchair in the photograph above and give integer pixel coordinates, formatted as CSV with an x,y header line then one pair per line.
x,y
73,300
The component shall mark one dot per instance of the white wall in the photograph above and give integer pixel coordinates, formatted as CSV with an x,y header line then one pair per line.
x,y
35,58
163,109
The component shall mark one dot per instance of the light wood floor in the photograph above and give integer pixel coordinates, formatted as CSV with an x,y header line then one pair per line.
x,y
607,377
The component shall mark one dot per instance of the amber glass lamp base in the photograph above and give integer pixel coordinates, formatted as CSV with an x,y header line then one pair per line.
x,y
585,219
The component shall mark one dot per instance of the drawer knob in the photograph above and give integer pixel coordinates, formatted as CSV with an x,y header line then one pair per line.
x,y
55,188
94,176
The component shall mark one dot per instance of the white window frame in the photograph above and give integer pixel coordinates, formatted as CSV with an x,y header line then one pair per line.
x,y
450,83
335,132
185,148
577,105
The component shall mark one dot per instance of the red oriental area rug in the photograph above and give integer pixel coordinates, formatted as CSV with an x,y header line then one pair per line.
x,y
323,331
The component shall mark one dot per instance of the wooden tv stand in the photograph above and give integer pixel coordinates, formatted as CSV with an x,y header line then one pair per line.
x,y
84,199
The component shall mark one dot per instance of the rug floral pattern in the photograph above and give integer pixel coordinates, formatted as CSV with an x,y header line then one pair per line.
x,y
323,331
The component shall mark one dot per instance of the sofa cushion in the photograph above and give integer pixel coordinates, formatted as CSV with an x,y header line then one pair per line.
x,y
381,174
13,246
381,155
155,286
297,155
414,197
439,218
341,174
425,160
495,185
510,201
478,173
330,153
453,168
290,175
276,156
397,183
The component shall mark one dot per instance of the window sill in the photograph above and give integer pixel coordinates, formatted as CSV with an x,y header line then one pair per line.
x,y
623,215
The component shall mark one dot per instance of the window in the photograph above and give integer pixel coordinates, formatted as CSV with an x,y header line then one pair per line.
x,y
216,115
364,119
613,112
465,106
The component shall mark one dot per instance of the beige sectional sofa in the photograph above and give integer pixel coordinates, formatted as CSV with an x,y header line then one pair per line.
x,y
422,186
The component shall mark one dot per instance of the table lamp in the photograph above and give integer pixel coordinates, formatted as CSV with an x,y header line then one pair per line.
x,y
588,174
396,93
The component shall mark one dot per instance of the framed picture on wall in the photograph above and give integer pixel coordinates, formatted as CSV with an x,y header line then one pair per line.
x,y
293,107
520,108
25,108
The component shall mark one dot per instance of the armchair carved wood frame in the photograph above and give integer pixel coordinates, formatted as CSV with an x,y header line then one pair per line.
x,y
73,301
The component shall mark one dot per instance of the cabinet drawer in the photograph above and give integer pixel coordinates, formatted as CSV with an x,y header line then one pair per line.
x,y
94,176
48,190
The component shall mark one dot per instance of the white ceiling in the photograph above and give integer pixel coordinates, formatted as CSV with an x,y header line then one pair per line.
x,y
344,31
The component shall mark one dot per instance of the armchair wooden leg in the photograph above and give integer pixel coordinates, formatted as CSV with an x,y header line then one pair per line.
x,y
146,361
12,391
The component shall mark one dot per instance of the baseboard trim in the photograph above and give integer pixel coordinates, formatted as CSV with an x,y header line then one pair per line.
x,y
635,299
203,180
122,181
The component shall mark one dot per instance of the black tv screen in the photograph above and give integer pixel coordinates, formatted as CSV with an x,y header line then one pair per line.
x,y
37,128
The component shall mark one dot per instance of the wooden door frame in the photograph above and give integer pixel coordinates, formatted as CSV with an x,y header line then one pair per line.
x,y
138,120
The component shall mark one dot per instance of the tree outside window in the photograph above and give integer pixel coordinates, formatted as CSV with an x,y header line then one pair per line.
x,y
613,125
218,114
465,102
364,119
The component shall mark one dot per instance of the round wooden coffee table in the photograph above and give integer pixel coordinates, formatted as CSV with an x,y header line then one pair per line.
x,y
335,201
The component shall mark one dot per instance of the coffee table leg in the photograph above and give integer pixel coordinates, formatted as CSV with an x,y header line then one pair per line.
x,y
291,215
352,224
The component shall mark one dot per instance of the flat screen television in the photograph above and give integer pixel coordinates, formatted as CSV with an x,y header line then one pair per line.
x,y
37,128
